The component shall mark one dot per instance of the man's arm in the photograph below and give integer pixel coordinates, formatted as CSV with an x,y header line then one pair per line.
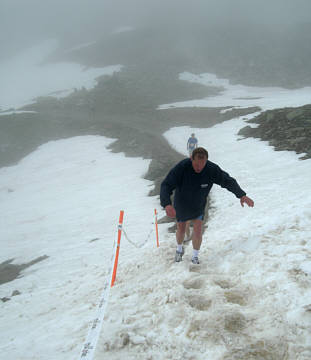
x,y
167,187
226,181
223,179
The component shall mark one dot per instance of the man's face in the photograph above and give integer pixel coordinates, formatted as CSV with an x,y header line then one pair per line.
x,y
198,164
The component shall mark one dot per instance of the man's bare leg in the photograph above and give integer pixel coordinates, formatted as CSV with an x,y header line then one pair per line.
x,y
197,234
180,233
188,236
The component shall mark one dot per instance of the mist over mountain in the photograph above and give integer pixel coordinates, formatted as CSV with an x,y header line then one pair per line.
x,y
253,42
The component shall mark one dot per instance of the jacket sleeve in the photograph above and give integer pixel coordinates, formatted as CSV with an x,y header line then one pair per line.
x,y
170,183
226,181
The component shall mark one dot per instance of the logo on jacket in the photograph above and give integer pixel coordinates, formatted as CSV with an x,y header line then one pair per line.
x,y
204,186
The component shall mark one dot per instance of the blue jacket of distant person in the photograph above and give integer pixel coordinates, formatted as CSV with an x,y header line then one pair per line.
x,y
192,189
192,142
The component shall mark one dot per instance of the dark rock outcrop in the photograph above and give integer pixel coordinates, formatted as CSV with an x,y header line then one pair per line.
x,y
285,129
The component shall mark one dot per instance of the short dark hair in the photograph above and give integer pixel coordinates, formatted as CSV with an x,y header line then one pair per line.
x,y
200,153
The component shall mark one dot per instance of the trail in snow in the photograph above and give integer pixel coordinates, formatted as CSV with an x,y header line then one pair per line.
x,y
249,299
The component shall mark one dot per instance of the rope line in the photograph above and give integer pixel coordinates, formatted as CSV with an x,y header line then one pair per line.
x,y
90,343
138,246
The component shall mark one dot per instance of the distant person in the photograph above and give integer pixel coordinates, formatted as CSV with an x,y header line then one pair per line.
x,y
192,144
192,180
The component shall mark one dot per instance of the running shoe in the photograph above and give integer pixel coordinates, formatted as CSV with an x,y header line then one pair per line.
x,y
195,260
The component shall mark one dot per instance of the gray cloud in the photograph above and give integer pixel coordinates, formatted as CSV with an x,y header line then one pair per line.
x,y
25,22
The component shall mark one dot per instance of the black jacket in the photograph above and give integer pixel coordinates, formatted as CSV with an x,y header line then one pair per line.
x,y
191,188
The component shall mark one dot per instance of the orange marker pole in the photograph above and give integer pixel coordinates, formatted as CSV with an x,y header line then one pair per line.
x,y
118,248
156,226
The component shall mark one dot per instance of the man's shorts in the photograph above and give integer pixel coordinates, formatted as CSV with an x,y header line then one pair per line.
x,y
200,217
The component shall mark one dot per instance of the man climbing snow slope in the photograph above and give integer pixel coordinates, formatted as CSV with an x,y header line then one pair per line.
x,y
192,180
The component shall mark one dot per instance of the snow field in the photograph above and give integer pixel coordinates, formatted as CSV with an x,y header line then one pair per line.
x,y
249,298
27,76
64,202
264,251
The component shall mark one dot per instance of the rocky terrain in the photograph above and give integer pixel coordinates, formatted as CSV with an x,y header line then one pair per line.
x,y
285,129
123,107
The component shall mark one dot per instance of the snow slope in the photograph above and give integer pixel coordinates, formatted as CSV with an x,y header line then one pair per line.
x,y
27,76
241,96
63,201
249,298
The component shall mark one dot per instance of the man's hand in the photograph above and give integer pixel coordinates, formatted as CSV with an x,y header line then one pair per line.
x,y
170,211
247,200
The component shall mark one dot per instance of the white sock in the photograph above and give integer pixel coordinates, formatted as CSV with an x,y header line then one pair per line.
x,y
179,248
195,253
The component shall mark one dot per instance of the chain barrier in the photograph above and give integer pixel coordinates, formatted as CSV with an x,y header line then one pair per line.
x,y
90,343
133,243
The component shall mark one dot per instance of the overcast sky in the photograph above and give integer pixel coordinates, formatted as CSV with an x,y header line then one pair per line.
x,y
24,22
